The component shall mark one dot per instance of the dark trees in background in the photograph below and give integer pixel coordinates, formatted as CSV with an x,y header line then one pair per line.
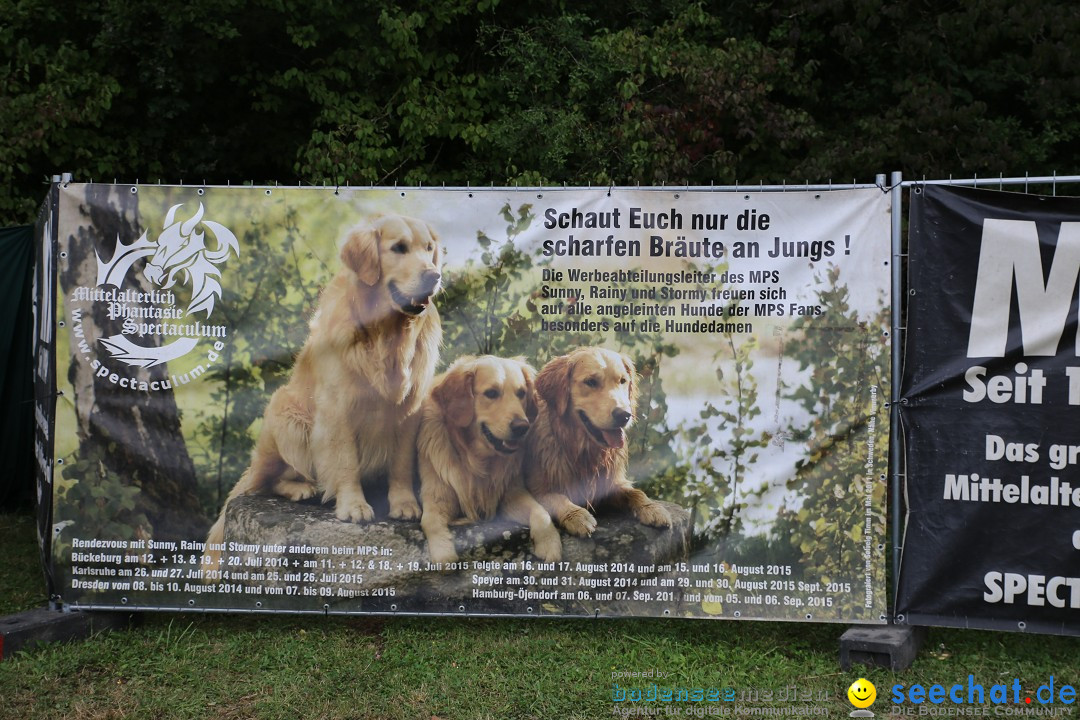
x,y
483,91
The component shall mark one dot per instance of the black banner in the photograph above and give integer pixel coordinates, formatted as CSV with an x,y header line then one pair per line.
x,y
44,383
991,400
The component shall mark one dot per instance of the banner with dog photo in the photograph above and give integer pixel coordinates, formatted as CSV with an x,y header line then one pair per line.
x,y
662,402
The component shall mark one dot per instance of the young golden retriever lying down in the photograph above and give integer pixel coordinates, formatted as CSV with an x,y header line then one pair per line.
x,y
576,456
350,411
470,450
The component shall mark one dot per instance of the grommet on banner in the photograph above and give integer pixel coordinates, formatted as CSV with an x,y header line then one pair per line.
x,y
809,616
1021,625
393,608
737,614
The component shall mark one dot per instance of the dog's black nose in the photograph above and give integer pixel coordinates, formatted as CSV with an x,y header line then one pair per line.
x,y
519,427
430,280
620,416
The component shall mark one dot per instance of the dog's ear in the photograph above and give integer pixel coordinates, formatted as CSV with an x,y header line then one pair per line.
x,y
436,259
531,409
455,396
553,383
361,255
632,372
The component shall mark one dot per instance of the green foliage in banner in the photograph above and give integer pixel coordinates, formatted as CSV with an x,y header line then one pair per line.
x,y
101,503
719,474
846,357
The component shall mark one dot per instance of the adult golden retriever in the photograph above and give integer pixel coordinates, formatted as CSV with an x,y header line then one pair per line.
x,y
576,455
470,450
350,411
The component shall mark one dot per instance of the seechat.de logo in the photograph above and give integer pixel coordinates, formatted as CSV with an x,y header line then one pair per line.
x,y
973,693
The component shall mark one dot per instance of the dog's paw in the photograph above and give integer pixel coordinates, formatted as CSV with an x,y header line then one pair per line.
x,y
404,508
295,490
442,552
653,514
548,546
579,521
357,511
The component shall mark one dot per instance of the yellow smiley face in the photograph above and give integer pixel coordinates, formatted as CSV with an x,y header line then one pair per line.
x,y
862,693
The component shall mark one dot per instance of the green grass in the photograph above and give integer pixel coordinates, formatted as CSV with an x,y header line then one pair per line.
x,y
196,666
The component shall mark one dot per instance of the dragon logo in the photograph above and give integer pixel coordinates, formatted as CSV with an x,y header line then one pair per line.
x,y
180,254
181,248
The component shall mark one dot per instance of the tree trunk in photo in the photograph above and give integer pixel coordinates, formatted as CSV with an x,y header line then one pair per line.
x,y
136,434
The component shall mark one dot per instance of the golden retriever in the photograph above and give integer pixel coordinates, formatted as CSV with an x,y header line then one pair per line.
x,y
350,411
469,452
576,456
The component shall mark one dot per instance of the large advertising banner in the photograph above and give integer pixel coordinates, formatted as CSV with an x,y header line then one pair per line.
x,y
532,402
990,394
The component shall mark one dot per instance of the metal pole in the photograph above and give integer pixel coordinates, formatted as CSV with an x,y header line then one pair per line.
x,y
895,452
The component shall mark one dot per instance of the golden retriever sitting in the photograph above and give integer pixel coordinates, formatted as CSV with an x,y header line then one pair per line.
x,y
350,411
470,451
577,452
